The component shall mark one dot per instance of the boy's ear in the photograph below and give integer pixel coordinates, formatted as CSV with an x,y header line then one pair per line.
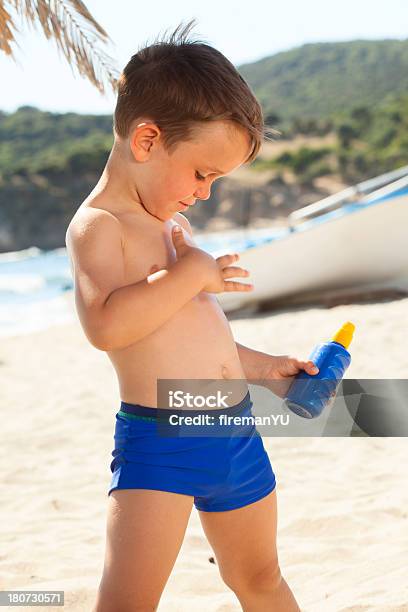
x,y
142,137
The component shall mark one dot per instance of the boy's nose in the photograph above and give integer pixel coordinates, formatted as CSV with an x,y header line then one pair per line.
x,y
202,194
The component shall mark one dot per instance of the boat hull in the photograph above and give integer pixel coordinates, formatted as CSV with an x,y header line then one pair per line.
x,y
365,249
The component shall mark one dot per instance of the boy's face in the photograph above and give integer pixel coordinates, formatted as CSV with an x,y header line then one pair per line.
x,y
165,181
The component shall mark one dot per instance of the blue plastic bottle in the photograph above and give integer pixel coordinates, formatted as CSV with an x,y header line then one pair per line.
x,y
308,395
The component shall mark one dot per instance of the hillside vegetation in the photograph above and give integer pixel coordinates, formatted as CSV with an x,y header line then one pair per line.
x,y
367,142
322,80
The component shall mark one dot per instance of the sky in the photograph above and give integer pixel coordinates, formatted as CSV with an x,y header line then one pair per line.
x,y
244,31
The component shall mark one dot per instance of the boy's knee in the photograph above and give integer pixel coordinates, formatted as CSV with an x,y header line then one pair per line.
x,y
262,579
267,579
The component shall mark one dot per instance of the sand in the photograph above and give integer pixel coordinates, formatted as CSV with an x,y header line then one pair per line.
x,y
343,502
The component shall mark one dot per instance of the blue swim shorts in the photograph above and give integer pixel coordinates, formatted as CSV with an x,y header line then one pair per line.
x,y
221,472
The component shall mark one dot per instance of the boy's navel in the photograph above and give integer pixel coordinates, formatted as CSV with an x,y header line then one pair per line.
x,y
224,372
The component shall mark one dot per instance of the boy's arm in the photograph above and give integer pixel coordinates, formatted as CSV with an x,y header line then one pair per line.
x,y
114,315
253,363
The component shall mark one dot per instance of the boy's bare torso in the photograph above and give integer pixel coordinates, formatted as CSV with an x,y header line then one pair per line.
x,y
196,343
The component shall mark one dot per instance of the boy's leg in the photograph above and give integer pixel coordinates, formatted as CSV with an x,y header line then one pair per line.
x,y
145,530
244,543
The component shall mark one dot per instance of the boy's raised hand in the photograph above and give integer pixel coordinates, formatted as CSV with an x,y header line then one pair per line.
x,y
215,271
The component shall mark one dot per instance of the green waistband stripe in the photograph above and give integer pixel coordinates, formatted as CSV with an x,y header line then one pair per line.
x,y
137,417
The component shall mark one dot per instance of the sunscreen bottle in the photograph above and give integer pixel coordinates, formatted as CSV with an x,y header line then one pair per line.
x,y
308,395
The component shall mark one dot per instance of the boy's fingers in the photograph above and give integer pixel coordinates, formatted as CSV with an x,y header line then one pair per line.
x,y
177,234
225,260
310,367
231,271
236,286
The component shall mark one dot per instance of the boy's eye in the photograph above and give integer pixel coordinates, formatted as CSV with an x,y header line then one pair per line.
x,y
199,177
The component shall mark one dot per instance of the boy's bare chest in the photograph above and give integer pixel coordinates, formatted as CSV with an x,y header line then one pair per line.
x,y
146,246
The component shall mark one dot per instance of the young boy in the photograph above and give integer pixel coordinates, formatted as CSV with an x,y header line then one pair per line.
x,y
145,294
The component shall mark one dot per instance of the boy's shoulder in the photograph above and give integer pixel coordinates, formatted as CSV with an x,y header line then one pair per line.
x,y
90,221
87,212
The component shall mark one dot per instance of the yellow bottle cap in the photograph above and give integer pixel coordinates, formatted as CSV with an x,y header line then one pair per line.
x,y
345,334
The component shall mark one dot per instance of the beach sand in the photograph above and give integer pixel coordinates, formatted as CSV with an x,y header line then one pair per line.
x,y
343,502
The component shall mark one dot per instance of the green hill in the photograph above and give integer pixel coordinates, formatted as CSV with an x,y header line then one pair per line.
x,y
34,141
320,80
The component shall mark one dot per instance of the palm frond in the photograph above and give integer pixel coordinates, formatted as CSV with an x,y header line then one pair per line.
x,y
6,33
76,33
82,10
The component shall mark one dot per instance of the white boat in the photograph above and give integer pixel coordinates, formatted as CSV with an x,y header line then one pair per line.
x,y
356,240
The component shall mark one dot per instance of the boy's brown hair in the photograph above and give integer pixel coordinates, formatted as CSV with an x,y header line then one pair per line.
x,y
179,83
